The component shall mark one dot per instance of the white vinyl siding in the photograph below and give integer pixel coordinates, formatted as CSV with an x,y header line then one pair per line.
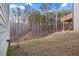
x,y
4,28
76,16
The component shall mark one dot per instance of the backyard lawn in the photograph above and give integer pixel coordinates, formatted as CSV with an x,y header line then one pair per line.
x,y
59,43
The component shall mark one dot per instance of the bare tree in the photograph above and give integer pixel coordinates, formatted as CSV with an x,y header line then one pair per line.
x,y
56,7
18,19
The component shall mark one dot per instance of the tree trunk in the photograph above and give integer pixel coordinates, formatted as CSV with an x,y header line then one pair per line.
x,y
56,20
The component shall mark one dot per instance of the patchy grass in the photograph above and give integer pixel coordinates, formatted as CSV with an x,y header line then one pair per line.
x,y
60,43
11,49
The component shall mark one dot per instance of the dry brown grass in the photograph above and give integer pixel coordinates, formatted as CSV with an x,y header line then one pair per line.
x,y
60,43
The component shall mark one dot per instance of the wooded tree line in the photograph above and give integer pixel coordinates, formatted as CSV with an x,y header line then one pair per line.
x,y
41,23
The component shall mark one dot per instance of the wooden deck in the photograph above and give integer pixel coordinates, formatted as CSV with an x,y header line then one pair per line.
x,y
66,17
67,22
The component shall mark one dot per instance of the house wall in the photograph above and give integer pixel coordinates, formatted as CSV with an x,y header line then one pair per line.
x,y
4,28
76,16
